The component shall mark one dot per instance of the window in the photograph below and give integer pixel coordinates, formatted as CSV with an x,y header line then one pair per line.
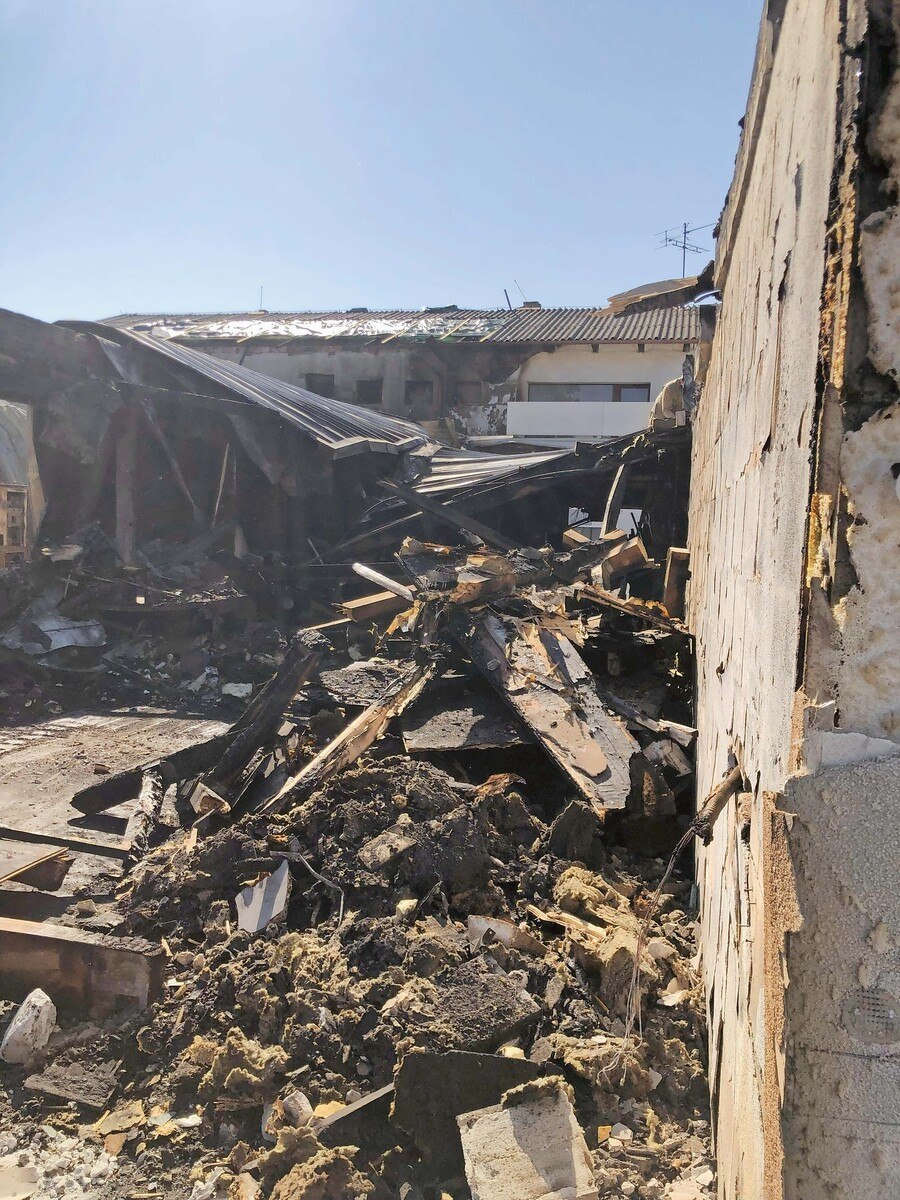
x,y
322,385
368,392
591,393
420,399
634,393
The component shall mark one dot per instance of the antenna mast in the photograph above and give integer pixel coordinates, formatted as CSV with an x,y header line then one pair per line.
x,y
679,238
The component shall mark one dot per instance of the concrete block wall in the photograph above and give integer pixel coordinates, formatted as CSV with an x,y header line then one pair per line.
x,y
794,520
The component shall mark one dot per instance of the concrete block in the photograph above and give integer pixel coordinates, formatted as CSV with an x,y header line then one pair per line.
x,y
528,1147
30,1028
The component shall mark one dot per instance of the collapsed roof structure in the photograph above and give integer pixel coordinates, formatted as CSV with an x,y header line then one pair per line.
x,y
225,447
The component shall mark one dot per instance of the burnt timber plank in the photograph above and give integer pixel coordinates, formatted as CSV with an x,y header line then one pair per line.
x,y
355,738
588,743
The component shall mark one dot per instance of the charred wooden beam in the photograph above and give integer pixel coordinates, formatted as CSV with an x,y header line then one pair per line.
x,y
450,516
549,686
353,740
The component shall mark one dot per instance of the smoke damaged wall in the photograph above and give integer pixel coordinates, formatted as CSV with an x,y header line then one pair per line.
x,y
795,521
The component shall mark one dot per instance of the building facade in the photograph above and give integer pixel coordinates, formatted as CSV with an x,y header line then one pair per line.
x,y
544,376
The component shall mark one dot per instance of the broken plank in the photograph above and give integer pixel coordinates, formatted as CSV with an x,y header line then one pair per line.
x,y
450,516
94,971
641,610
355,738
591,746
376,604
143,820
125,785
46,872
10,834
682,734
258,725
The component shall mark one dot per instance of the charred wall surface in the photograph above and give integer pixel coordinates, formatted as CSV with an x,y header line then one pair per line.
x,y
794,522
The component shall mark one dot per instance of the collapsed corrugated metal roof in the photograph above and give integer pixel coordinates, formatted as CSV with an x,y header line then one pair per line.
x,y
498,326
343,428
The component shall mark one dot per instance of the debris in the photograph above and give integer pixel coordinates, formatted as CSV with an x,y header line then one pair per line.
x,y
265,901
479,1006
94,970
431,1090
30,1028
411,878
527,1147
17,1182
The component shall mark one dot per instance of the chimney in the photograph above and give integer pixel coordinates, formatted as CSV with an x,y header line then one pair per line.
x,y
531,304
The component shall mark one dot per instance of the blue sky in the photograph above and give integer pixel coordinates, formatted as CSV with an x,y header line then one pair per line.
x,y
176,155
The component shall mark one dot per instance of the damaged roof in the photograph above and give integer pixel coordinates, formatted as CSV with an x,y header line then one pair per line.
x,y
344,429
678,323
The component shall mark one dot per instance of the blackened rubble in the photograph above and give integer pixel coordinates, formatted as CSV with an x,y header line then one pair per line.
x,y
406,864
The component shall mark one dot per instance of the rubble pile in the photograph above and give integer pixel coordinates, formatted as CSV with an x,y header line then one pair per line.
x,y
419,935
190,628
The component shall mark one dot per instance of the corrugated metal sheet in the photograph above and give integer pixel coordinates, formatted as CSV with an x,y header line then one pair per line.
x,y
453,471
462,324
675,324
556,325
331,423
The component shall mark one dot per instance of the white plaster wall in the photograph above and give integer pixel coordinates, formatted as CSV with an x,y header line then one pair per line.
x,y
656,365
390,365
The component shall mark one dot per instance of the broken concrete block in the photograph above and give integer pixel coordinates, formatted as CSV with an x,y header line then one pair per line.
x,y
572,833
480,1006
297,1108
484,930
30,1028
263,901
17,1182
431,1090
528,1147
240,690
98,972
90,1086
385,851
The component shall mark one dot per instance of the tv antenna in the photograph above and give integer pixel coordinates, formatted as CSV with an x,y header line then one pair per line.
x,y
678,236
